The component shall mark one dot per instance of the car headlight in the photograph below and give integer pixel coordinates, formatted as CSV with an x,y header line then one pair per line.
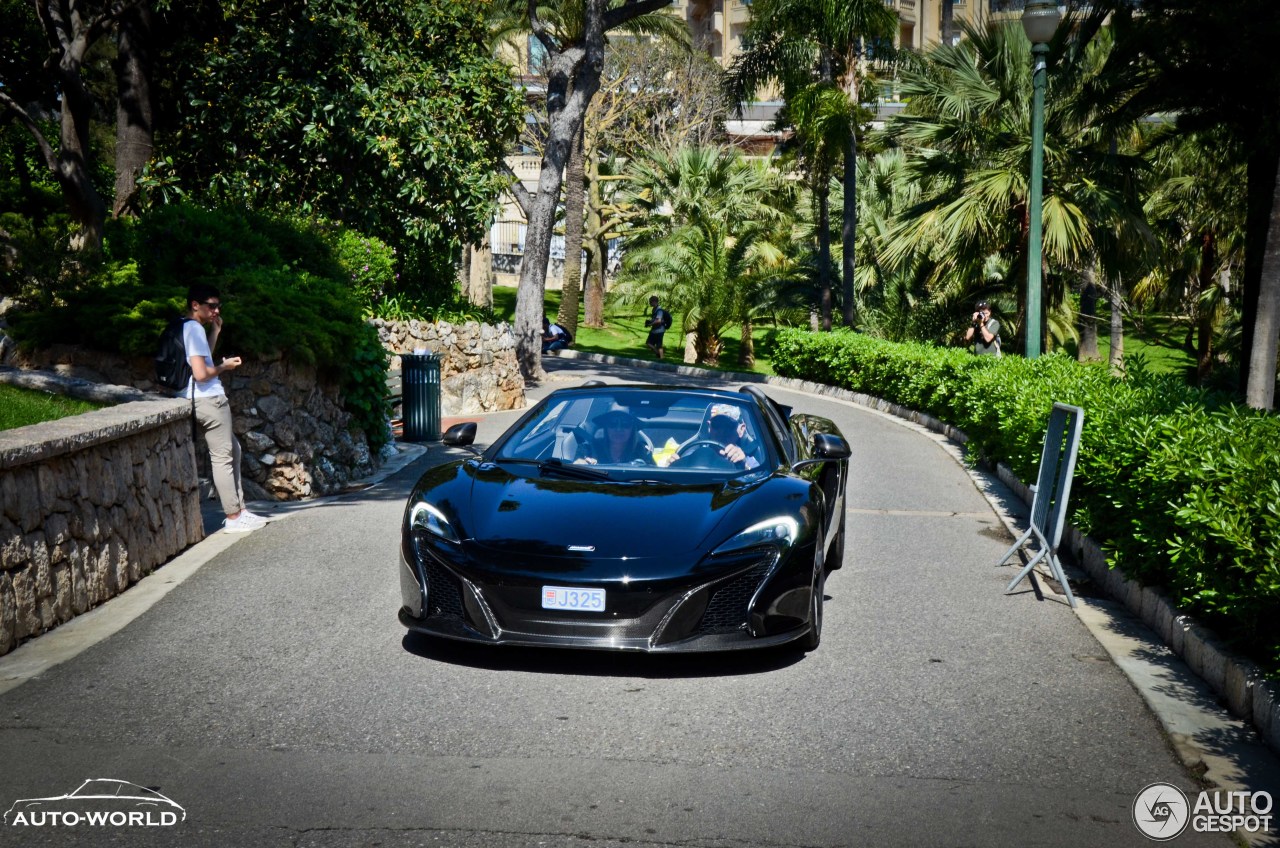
x,y
779,532
431,519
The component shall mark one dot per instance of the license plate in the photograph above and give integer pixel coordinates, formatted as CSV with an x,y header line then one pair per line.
x,y
567,598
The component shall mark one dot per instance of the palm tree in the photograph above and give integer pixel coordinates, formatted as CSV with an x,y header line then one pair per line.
x,y
1169,61
1197,209
967,139
703,224
813,50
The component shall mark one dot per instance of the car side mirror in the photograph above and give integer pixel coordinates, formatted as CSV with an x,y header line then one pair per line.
x,y
460,435
826,448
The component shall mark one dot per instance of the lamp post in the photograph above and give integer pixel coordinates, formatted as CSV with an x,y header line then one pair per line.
x,y
1040,21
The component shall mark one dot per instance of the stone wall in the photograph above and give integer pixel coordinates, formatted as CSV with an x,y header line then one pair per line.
x,y
291,423
89,505
479,371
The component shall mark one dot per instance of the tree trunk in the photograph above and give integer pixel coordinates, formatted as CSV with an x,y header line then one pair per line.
x,y
1088,319
593,295
464,275
482,275
1116,296
1203,315
574,200
573,78
691,346
71,167
566,106
135,110
747,350
823,197
1260,391
1261,173
849,230
948,19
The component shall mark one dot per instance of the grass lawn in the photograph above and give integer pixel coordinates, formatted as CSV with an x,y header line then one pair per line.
x,y
1158,338
624,333
21,407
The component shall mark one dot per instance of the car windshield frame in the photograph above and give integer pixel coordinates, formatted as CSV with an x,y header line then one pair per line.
x,y
567,429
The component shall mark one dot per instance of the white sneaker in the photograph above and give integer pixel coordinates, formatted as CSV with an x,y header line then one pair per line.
x,y
254,518
242,523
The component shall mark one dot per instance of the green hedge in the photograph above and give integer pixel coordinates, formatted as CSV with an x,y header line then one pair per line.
x,y
1181,487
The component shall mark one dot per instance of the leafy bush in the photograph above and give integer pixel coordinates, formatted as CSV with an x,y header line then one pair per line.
x,y
1178,485
283,288
369,265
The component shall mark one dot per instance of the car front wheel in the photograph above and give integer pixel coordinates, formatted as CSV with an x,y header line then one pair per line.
x,y
816,592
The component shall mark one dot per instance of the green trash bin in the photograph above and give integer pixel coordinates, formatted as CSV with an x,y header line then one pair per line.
x,y
420,373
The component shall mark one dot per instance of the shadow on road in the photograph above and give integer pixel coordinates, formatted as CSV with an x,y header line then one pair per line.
x,y
601,663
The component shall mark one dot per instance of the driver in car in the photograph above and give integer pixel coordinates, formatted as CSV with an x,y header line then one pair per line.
x,y
726,428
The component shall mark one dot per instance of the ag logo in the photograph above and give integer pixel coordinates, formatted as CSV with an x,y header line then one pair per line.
x,y
1161,811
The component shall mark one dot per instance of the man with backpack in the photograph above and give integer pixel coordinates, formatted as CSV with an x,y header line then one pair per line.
x,y
554,337
212,408
658,324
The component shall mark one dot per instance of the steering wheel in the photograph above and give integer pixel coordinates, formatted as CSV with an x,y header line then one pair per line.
x,y
687,451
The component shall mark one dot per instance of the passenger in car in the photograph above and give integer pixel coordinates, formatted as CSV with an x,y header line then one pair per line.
x,y
618,441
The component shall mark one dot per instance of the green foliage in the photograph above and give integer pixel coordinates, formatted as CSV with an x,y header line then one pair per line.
x,y
23,407
390,117
283,292
1180,486
364,387
370,266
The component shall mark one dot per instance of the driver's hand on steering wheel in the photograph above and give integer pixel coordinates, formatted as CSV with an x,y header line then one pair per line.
x,y
734,454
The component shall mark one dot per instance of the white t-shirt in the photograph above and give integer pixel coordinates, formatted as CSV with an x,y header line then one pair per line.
x,y
197,344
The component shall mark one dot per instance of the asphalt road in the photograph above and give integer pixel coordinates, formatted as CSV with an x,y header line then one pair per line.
x,y
274,696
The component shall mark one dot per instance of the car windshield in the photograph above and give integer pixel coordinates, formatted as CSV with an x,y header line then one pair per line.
x,y
640,434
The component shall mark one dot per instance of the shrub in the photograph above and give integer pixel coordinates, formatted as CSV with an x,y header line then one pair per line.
x,y
284,290
1178,485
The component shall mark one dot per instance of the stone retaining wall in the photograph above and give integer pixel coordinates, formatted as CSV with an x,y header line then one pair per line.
x,y
479,371
291,423
89,505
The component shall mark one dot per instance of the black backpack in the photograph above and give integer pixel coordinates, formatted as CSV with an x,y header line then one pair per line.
x,y
173,369
666,320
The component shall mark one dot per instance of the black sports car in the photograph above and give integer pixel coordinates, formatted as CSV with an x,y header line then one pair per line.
x,y
640,518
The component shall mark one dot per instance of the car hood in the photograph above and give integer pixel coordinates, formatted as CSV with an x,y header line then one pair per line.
x,y
554,516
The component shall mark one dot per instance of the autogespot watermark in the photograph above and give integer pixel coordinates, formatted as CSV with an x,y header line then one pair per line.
x,y
1162,811
98,802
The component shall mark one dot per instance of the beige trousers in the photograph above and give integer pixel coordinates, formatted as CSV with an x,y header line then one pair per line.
x,y
214,416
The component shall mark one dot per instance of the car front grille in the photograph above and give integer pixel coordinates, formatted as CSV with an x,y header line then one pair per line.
x,y
727,609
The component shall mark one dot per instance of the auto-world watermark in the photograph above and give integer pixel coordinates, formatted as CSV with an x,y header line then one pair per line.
x,y
98,803
1162,812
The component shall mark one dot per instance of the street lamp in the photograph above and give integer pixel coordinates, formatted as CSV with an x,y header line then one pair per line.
x,y
1040,21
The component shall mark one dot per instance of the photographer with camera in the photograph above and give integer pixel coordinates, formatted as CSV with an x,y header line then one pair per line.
x,y
984,331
